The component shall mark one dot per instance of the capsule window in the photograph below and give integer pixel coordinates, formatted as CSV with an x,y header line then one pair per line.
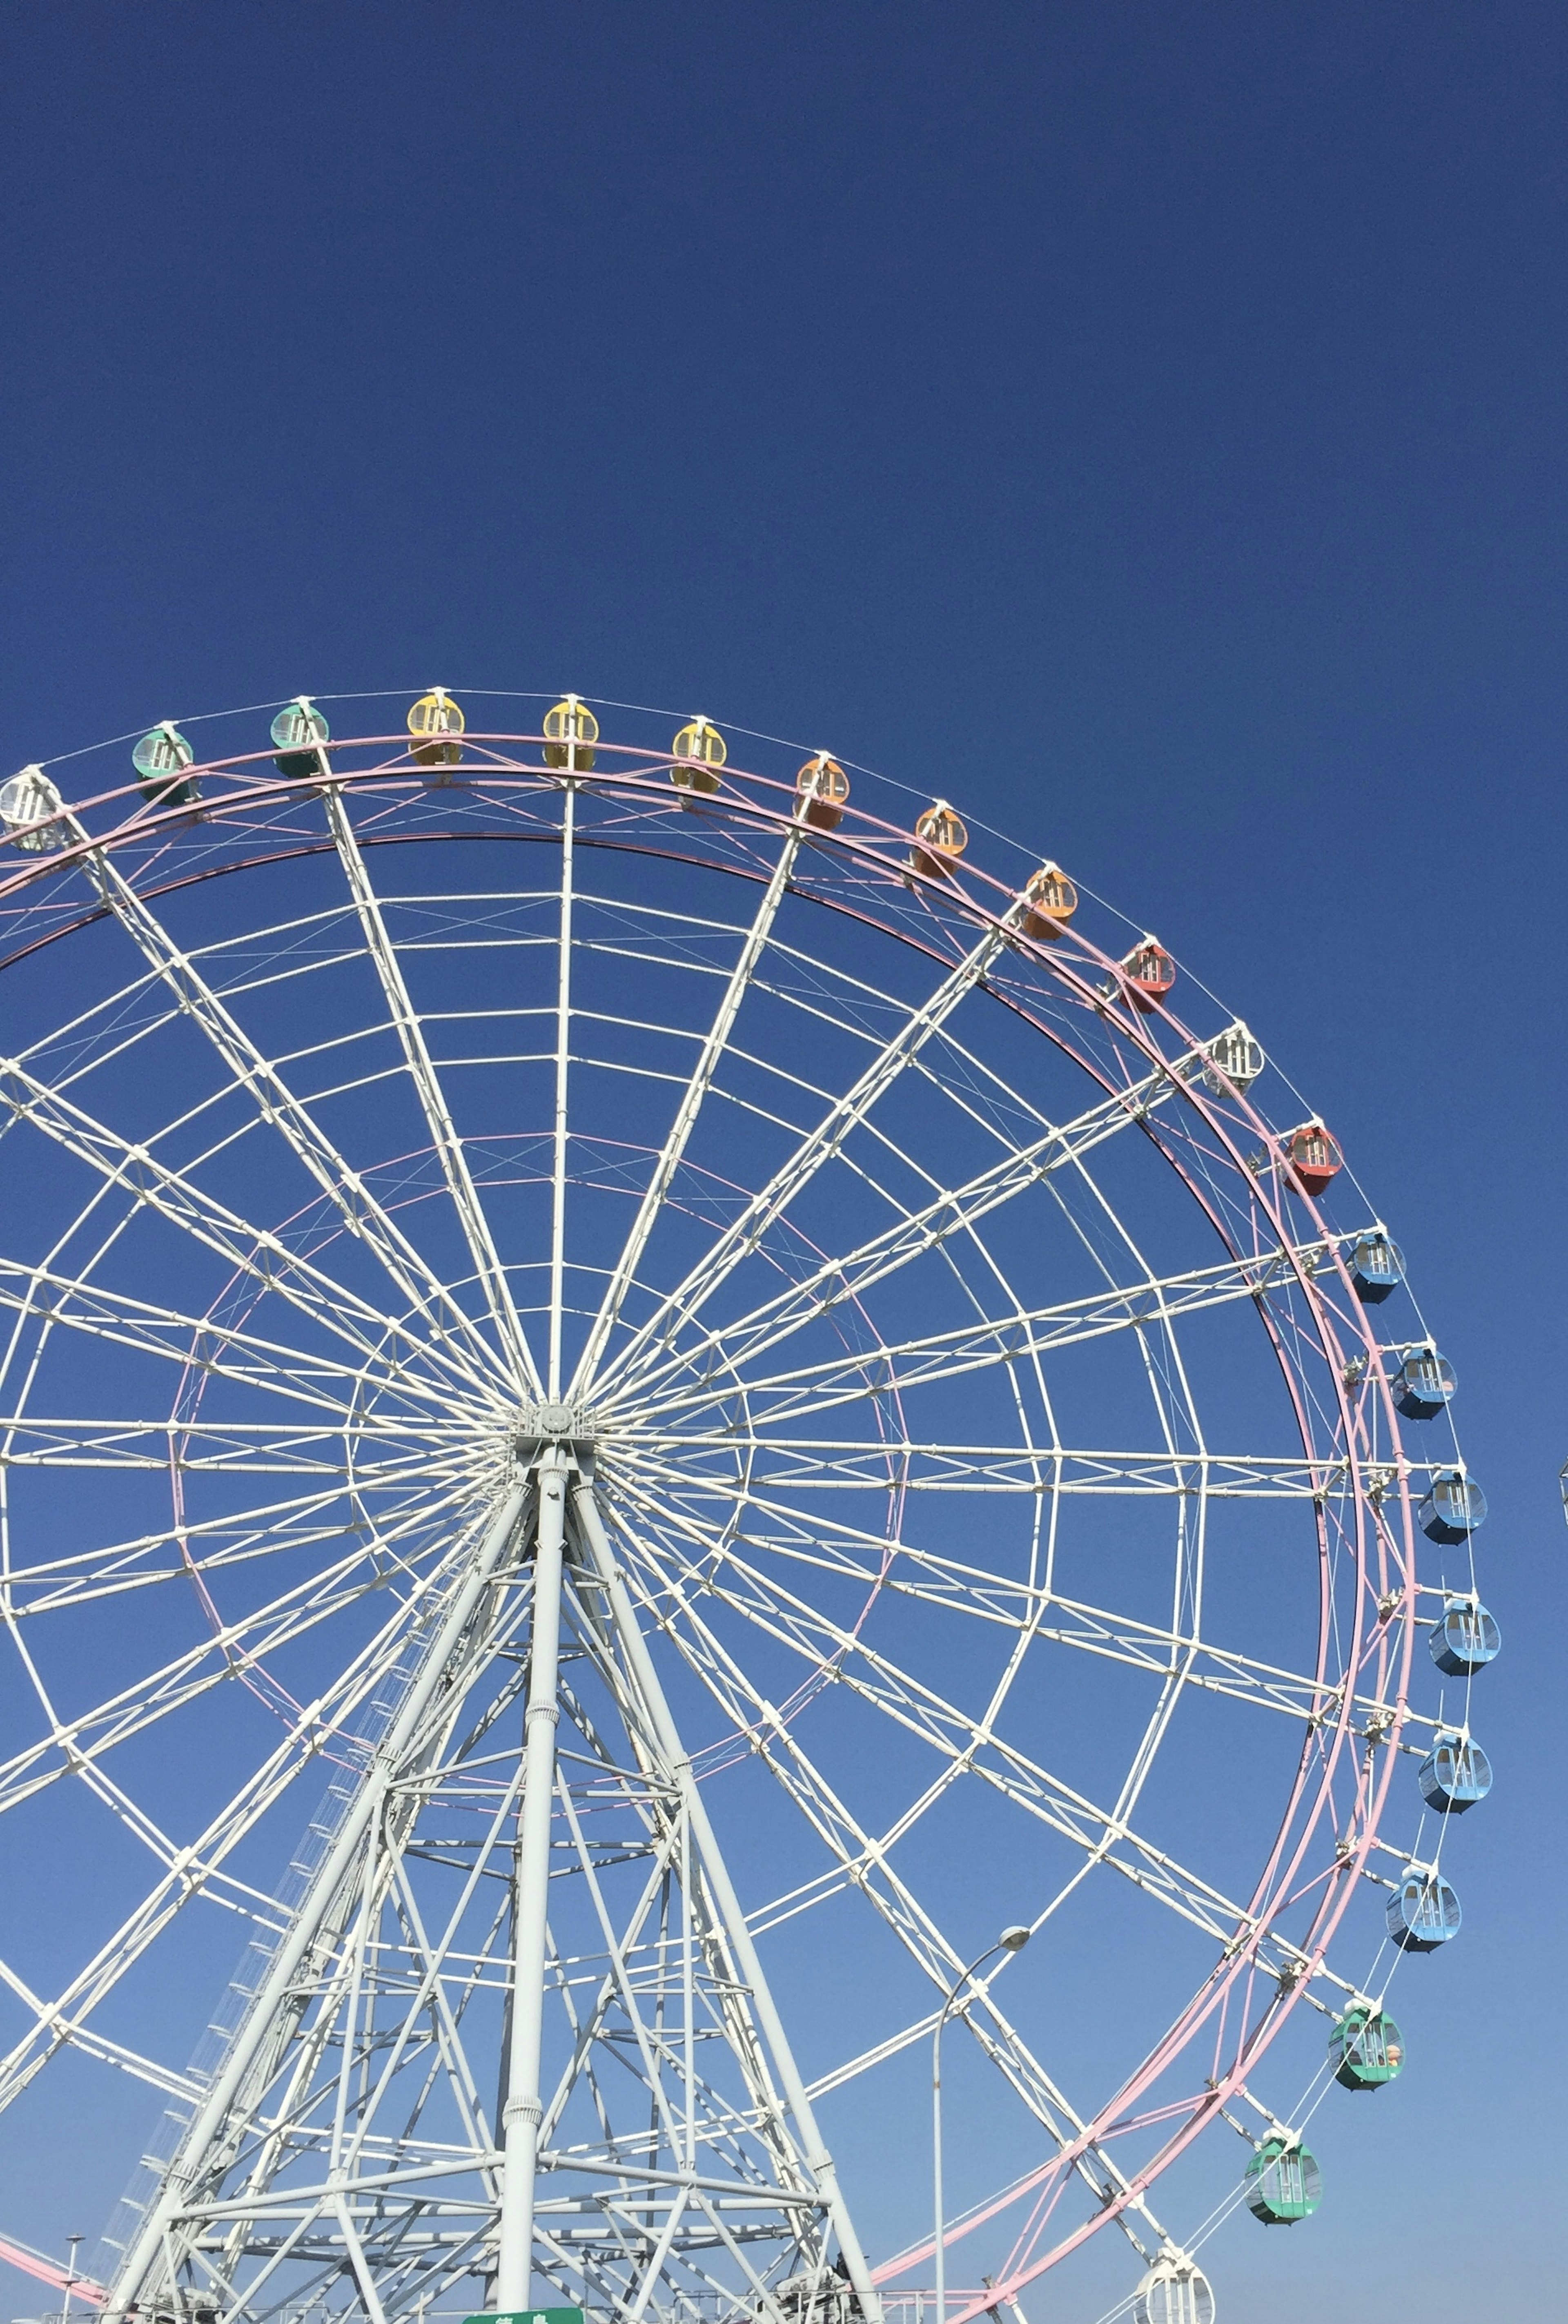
x,y
1049,899
1366,2050
1424,1383
570,733
435,721
1235,1060
1454,1775
1284,2182
821,788
942,838
1377,1267
30,798
1465,1639
1423,1912
299,731
1455,1509
1174,2291
702,745
161,759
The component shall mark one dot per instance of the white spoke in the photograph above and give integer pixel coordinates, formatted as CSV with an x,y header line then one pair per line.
x,y
563,1072
853,1464
432,1098
690,1106
200,1447
193,1342
253,1251
964,1744
839,1280
819,1147
277,1105
903,1364
495,1540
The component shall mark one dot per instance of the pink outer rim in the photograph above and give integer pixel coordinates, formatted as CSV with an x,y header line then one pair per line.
x,y
983,901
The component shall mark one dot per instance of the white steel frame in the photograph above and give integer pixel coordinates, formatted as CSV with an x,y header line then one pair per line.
x,y
573,1505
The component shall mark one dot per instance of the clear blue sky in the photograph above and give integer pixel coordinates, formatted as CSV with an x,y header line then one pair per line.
x,y
1143,424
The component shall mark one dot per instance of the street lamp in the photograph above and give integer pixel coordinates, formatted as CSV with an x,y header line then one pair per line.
x,y
70,2277
1011,1940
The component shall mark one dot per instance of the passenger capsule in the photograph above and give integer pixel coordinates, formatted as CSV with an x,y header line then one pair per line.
x,y
29,797
702,747
1424,1383
1423,1912
1174,2291
570,733
1150,973
1366,2050
821,789
1454,1775
1049,902
1454,1509
1235,1060
944,836
299,731
1284,2183
1465,1639
161,759
1377,1267
1313,1158
436,722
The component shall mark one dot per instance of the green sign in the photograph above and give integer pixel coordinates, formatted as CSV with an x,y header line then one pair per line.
x,y
530,2315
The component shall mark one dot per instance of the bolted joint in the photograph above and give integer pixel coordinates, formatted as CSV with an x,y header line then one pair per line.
x,y
528,2110
553,1423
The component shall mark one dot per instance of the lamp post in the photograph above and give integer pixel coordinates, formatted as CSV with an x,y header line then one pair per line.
x,y
70,2277
1011,1940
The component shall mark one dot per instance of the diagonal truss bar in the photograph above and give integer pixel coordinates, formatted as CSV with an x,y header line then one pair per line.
x,y
193,1342
818,1147
967,1745
277,1105
690,1106
864,1861
899,1365
640,1669
911,1236
244,1447
857,1464
142,2257
256,1253
432,1098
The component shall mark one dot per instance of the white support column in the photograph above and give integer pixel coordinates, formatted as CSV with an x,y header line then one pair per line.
x,y
524,2108
129,2289
737,1935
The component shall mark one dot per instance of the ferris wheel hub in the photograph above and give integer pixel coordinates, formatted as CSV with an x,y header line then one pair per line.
x,y
555,1422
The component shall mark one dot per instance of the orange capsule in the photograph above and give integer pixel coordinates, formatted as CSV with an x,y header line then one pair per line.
x,y
822,787
1049,902
944,838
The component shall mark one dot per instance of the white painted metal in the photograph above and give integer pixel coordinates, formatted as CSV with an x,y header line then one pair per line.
x,y
742,1462
523,2110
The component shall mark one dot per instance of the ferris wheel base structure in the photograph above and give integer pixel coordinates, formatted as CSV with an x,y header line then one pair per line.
x,y
754,1406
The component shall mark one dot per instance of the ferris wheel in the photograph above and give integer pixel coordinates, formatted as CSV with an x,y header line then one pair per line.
x,y
663,1442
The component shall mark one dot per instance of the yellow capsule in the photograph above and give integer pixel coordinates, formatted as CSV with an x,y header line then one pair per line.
x,y
822,787
703,746
570,733
436,716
